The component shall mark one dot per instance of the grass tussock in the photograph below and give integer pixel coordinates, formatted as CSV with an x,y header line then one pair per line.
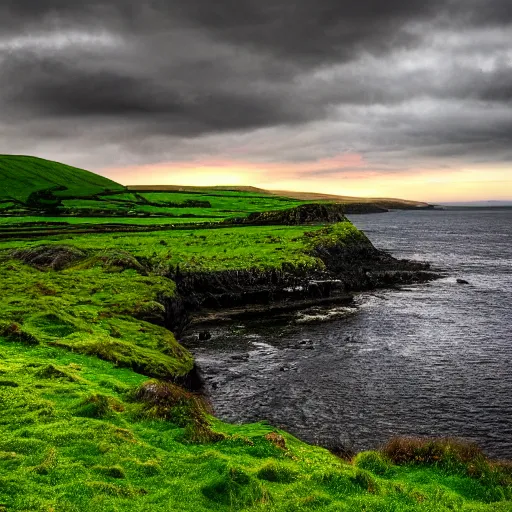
x,y
404,450
375,462
453,456
48,464
236,489
449,453
277,440
98,405
15,332
126,355
110,471
49,257
366,481
112,260
275,472
52,371
167,401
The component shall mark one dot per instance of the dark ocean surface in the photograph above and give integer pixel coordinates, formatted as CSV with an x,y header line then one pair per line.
x,y
428,360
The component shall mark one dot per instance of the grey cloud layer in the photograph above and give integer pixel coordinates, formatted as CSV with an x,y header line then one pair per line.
x,y
125,82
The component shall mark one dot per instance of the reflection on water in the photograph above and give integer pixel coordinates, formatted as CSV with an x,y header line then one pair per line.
x,y
430,359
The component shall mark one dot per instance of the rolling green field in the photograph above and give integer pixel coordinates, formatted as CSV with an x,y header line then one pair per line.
x,y
89,195
98,412
251,247
218,206
20,222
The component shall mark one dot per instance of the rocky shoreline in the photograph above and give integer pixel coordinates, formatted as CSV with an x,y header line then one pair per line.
x,y
211,297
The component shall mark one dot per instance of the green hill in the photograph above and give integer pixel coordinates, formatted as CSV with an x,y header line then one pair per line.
x,y
22,175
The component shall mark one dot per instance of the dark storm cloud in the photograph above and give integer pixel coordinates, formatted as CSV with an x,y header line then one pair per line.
x,y
202,77
66,91
313,32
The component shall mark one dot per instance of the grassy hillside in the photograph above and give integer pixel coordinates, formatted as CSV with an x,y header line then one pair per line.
x,y
315,196
22,175
385,202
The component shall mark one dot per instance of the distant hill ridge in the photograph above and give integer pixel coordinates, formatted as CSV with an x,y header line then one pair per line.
x,y
22,175
303,196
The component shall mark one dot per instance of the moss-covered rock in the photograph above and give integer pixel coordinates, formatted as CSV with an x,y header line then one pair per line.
x,y
315,213
54,257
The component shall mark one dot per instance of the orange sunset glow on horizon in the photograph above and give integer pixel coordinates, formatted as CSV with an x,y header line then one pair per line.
x,y
347,175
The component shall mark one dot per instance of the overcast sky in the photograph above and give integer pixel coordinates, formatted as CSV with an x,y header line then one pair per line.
x,y
370,97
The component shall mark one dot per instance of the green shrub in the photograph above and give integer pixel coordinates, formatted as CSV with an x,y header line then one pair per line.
x,y
167,401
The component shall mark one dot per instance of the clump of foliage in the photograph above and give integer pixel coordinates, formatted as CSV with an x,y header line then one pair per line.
x,y
98,405
274,472
45,200
236,489
374,462
442,452
164,400
46,257
13,331
112,260
454,456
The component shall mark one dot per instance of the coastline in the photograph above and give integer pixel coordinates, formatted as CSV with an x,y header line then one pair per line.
x,y
137,304
226,295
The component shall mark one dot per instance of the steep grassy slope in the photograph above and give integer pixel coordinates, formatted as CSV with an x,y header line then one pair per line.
x,y
22,175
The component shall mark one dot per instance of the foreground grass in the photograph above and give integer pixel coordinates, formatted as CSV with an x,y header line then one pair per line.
x,y
75,438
